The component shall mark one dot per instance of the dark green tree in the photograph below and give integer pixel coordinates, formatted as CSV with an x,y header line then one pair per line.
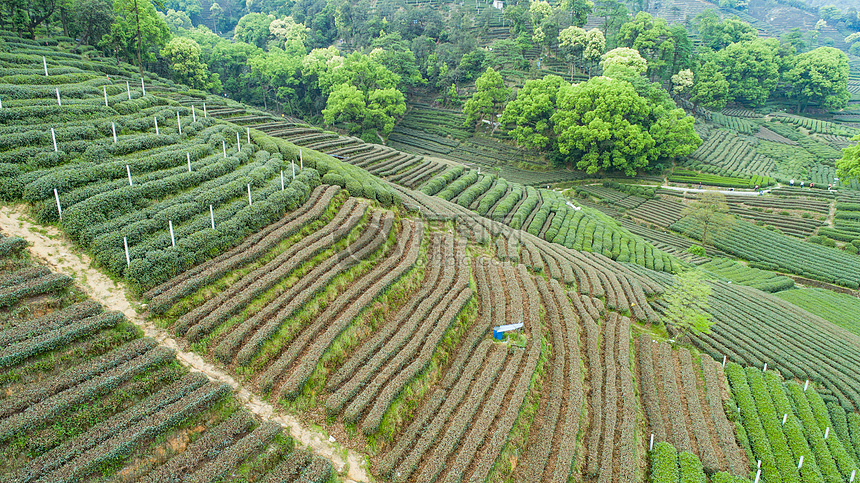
x,y
820,75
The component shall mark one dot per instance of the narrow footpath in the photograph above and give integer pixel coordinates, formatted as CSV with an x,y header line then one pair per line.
x,y
48,245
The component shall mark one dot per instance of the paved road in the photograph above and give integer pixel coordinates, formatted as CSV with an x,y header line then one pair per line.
x,y
726,192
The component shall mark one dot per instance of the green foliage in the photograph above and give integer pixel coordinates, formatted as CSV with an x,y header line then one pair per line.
x,y
532,112
751,69
488,100
697,250
687,304
820,76
710,89
664,463
849,165
604,124
184,56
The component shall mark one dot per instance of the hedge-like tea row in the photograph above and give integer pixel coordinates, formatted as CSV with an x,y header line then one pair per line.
x,y
35,286
262,278
96,435
757,244
49,322
255,246
752,277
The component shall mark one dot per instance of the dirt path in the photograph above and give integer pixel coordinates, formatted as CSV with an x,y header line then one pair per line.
x,y
50,246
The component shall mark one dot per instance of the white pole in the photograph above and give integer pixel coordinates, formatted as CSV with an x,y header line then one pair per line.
x,y
58,97
853,474
59,210
142,87
212,216
127,259
204,110
128,89
178,123
248,131
282,180
193,113
156,125
724,362
757,476
128,171
293,165
800,463
172,239
224,148
764,369
104,89
651,445
826,432
54,138
249,194
758,465
188,158
45,65
301,161
238,144
1,104
784,418
113,129
805,385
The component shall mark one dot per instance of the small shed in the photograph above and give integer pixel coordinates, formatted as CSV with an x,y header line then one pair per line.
x,y
499,330
498,4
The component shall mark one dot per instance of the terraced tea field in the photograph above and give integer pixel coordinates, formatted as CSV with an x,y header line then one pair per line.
x,y
307,266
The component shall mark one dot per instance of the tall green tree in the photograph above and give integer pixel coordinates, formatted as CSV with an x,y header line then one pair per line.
x,y
623,61
254,29
718,36
604,124
614,13
91,19
651,38
751,69
579,10
184,57
137,29
710,216
488,100
595,47
710,87
531,113
573,41
820,75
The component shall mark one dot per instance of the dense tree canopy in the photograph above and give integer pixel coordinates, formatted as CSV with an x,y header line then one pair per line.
x,y
531,113
604,124
488,100
184,56
751,69
622,61
710,89
820,76
849,165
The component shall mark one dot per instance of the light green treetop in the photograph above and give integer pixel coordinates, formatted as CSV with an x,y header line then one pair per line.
x,y
532,111
488,100
849,165
820,75
623,58
687,304
184,56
